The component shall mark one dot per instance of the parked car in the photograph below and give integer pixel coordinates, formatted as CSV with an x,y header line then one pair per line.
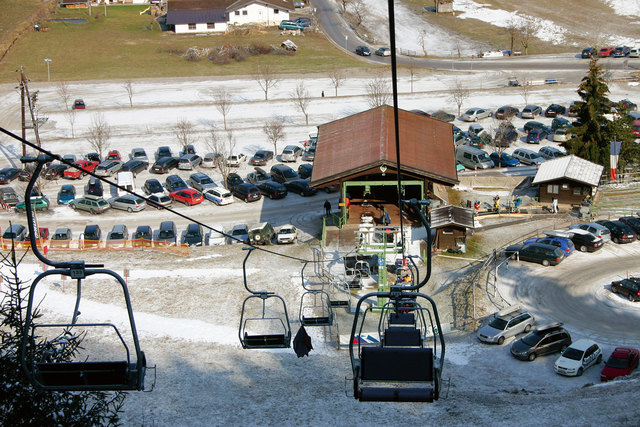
x,y
506,323
573,108
505,135
108,168
134,166
620,232
472,157
218,195
555,110
25,173
383,51
537,252
287,234
550,152
118,236
475,130
475,114
579,356
8,174
527,157
201,181
234,160
189,161
621,51
560,123
163,151
530,111
363,51
246,192
193,235
290,25
142,237
66,194
634,52
189,149
303,20
8,196
233,180
209,160
167,234
159,200
562,135
94,188
622,362
95,206
582,239
261,158
188,196
272,189
113,155
291,153
606,51
629,288
15,232
282,173
78,104
92,235
535,136
301,187
61,238
633,222
38,203
309,154
94,157
503,160
597,230
164,165
55,171
80,169
531,125
152,186
174,183
588,52
258,176
541,341
239,234
261,234
139,154
129,203
506,112
304,170
563,243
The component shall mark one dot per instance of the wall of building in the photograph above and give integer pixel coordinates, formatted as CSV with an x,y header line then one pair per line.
x,y
566,191
255,13
201,28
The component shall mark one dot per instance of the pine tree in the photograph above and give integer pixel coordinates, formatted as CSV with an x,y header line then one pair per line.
x,y
20,402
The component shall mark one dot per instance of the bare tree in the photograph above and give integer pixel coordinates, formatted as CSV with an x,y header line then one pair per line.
x,y
71,118
360,11
128,86
184,131
300,97
526,33
222,101
274,129
217,146
345,4
63,94
422,41
99,134
458,94
513,30
337,76
525,88
503,134
378,91
412,74
266,78
231,141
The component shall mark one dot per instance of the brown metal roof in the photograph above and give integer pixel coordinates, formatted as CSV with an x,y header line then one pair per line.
x,y
358,142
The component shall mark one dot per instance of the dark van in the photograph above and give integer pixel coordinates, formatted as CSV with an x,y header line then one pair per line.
x,y
537,252
283,173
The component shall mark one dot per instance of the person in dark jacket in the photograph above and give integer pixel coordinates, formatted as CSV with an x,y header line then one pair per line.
x,y
327,208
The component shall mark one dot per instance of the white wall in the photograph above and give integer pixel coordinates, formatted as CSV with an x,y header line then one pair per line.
x,y
258,14
200,28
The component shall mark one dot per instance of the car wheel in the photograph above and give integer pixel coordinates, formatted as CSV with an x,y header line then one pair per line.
x,y
579,373
129,210
73,207
630,297
545,263
599,359
475,119
93,211
562,349
532,357
246,200
527,328
500,340
583,248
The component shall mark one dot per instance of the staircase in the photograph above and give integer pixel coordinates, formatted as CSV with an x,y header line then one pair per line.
x,y
616,201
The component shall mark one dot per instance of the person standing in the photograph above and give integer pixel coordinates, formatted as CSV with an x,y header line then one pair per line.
x,y
554,205
327,208
323,94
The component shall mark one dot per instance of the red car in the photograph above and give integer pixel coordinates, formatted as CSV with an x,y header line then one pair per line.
x,y
114,155
73,173
606,51
622,362
188,196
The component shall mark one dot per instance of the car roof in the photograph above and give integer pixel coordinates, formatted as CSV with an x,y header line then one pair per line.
x,y
582,344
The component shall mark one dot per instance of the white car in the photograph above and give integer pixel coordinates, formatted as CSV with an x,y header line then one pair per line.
x,y
139,154
287,234
218,195
577,357
475,114
217,237
234,160
209,160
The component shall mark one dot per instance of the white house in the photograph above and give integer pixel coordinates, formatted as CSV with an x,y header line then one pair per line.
x,y
201,16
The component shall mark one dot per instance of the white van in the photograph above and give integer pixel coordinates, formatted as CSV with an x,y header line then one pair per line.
x,y
472,157
216,237
125,179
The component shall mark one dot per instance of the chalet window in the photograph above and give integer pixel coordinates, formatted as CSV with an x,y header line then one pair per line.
x,y
553,189
237,13
244,12
447,230
276,11
192,26
576,191
565,186
211,25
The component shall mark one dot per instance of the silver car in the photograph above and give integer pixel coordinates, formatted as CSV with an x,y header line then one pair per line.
x,y
506,323
129,203
475,114
240,234
108,168
530,111
118,236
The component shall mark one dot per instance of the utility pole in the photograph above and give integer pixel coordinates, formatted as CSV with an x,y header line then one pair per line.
x,y
24,93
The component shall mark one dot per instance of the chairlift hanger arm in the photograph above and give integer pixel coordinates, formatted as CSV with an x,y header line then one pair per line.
x,y
415,204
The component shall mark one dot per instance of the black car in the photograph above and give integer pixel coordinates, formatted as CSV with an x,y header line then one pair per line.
x,y
167,233
233,180
633,222
443,116
246,192
193,235
537,252
261,158
363,51
506,112
94,157
164,165
543,340
628,287
505,135
55,171
304,170
152,186
301,187
625,105
283,173
272,189
142,237
163,151
621,51
134,166
530,125
585,241
94,188
588,52
92,235
620,232
8,174
554,110
175,183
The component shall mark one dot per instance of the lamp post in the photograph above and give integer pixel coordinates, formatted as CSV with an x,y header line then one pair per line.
x,y
48,60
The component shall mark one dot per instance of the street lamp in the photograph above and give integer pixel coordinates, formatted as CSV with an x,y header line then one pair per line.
x,y
47,60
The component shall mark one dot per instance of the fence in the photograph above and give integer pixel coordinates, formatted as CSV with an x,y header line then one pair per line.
x,y
94,245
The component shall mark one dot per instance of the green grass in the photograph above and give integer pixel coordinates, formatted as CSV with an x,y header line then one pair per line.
x,y
125,44
13,12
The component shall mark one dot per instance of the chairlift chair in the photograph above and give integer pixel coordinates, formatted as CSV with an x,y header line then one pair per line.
x,y
315,306
42,366
263,330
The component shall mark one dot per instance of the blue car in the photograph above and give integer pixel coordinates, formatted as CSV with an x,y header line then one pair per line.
x,y
536,135
66,194
566,245
504,159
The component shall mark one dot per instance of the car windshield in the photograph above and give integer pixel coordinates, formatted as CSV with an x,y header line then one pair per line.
x,y
193,233
289,173
286,231
165,234
239,232
531,339
573,354
499,324
66,192
617,362
483,157
102,203
117,236
470,112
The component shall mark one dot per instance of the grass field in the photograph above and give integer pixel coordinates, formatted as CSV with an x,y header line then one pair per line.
x,y
125,44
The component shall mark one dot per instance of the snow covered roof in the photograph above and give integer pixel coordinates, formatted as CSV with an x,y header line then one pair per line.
x,y
571,167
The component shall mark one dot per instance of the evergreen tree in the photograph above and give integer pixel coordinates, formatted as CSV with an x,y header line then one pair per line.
x,y
20,402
